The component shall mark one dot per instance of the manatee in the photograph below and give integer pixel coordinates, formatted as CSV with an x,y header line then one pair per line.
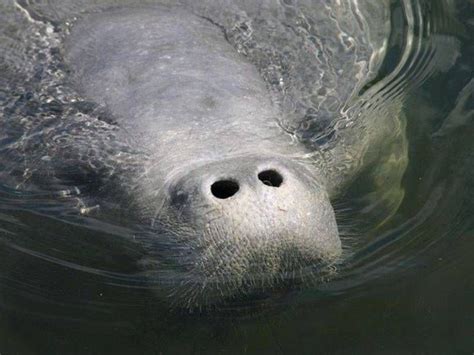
x,y
230,175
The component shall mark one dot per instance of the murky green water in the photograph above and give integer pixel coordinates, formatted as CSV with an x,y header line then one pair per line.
x,y
68,284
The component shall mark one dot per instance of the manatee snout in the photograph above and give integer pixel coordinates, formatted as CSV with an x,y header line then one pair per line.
x,y
250,224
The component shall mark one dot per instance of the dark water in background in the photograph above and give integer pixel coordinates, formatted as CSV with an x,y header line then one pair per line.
x,y
411,290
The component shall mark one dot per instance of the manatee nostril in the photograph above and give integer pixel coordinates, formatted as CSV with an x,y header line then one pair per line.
x,y
224,188
270,178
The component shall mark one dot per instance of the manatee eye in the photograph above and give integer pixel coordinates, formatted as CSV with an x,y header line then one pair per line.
x,y
270,178
224,188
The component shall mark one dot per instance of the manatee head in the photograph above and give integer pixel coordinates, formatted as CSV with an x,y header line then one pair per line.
x,y
232,206
243,226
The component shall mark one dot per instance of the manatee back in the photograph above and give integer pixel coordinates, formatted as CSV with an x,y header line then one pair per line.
x,y
163,72
314,55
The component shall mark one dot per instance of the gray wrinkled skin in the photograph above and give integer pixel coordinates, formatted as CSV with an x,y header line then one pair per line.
x,y
190,103
203,113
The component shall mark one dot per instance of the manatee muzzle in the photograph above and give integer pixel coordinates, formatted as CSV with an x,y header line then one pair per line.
x,y
247,224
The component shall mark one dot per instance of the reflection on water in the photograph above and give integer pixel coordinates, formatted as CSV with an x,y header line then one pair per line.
x,y
68,283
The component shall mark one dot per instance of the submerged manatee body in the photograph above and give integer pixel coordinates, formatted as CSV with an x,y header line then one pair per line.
x,y
231,202
220,175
